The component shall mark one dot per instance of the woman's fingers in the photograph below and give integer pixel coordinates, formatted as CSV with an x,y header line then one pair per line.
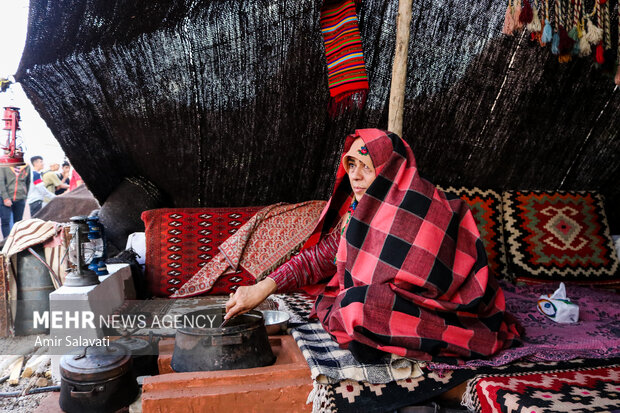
x,y
248,297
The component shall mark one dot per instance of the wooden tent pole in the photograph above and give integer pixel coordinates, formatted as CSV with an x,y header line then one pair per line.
x,y
399,68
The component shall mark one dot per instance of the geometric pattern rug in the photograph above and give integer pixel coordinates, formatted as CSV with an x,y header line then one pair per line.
x,y
486,207
584,388
180,241
559,236
353,396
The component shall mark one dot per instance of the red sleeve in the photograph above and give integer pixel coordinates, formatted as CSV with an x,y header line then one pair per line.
x,y
309,266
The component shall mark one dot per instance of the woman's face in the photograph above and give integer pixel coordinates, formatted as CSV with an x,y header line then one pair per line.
x,y
360,176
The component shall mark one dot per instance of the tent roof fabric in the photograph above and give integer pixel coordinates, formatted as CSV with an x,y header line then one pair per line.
x,y
224,103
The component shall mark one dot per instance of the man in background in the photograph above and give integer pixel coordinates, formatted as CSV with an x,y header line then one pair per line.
x,y
51,180
65,177
14,185
38,195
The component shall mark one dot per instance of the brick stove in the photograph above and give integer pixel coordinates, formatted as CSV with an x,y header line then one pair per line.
x,y
283,386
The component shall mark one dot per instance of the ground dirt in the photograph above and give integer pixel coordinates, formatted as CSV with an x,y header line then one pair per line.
x,y
28,403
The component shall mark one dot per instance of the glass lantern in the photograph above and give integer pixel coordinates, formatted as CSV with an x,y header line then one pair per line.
x,y
81,254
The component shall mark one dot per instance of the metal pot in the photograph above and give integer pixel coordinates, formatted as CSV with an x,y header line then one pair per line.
x,y
241,344
99,379
143,355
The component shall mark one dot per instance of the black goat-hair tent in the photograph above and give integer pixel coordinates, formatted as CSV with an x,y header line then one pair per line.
x,y
224,103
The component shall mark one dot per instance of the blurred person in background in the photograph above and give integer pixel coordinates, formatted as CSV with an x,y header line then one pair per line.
x,y
14,186
38,195
51,180
65,177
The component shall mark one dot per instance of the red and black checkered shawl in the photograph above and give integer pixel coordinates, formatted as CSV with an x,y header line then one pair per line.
x,y
412,276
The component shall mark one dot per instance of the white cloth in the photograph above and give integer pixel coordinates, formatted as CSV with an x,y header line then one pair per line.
x,y
137,242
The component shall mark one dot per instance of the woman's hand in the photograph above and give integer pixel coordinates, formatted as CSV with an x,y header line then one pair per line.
x,y
246,298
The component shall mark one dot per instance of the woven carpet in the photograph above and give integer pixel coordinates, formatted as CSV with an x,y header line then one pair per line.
x,y
580,386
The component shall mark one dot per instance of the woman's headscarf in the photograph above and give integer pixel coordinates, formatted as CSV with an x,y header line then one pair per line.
x,y
412,276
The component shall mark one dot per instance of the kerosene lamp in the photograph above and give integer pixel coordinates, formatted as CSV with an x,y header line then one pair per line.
x,y
81,254
12,152
96,237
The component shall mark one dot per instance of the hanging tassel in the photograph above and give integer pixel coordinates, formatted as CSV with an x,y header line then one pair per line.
x,y
584,46
594,34
564,58
574,35
516,13
535,25
527,14
600,57
547,35
555,43
509,24
566,43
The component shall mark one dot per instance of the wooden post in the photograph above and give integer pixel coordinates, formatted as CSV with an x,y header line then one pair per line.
x,y
399,68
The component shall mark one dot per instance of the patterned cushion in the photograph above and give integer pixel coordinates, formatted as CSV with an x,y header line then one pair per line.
x,y
559,236
179,241
486,206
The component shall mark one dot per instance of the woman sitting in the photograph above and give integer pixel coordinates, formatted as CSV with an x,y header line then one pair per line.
x,y
406,266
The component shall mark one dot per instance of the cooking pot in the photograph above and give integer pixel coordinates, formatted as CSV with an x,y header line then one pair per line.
x,y
201,345
98,379
144,357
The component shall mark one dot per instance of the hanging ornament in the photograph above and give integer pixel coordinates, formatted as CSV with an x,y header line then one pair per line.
x,y
555,43
534,26
547,35
527,13
584,46
565,44
509,24
516,13
600,54
594,35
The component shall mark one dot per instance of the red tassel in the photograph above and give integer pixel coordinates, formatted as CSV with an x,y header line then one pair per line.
x,y
527,14
600,59
566,43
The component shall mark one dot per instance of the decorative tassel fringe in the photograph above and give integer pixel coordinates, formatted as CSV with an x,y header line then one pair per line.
x,y
535,25
594,34
600,57
547,35
555,43
516,16
527,14
509,24
574,34
584,47
565,58
345,101
566,43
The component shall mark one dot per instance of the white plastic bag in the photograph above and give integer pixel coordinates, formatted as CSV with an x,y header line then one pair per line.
x,y
558,307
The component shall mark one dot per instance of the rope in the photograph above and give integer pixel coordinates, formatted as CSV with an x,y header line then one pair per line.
x,y
606,26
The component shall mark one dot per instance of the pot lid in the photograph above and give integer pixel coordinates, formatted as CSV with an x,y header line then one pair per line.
x,y
136,346
93,363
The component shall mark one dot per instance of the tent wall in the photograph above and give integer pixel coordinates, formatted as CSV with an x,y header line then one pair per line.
x,y
224,103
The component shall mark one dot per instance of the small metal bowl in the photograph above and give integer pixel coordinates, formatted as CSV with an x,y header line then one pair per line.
x,y
275,321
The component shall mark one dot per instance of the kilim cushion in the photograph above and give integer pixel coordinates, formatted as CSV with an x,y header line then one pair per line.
x,y
486,206
179,241
559,236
